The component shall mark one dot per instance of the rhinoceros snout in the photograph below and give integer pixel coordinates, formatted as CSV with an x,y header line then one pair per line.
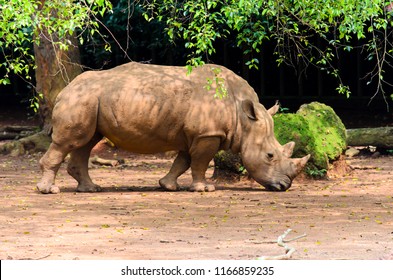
x,y
286,182
278,187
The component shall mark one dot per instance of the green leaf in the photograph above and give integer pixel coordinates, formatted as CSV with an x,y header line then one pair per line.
x,y
5,81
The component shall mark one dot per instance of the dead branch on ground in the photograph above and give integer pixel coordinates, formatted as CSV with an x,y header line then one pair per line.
x,y
101,161
282,243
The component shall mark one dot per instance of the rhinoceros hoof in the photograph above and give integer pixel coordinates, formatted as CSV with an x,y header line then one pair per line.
x,y
169,185
46,190
54,189
201,187
88,188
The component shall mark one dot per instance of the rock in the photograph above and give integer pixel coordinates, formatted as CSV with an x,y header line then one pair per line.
x,y
317,130
351,152
376,154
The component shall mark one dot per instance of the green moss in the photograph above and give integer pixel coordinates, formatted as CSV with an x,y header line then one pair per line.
x,y
294,127
317,130
328,126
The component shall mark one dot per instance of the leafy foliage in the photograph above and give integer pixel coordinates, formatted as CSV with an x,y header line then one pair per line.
x,y
219,83
306,32
130,37
22,23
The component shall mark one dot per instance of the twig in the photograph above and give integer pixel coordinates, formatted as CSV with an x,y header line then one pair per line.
x,y
366,167
40,258
288,250
44,257
101,161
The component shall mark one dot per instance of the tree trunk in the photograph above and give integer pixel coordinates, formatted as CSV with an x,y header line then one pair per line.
x,y
56,68
381,137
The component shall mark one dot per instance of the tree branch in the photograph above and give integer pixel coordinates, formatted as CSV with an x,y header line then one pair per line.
x,y
282,243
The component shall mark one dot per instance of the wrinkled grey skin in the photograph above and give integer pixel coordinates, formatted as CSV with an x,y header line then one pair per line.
x,y
149,109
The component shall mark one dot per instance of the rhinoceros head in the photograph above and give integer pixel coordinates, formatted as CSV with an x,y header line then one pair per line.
x,y
267,161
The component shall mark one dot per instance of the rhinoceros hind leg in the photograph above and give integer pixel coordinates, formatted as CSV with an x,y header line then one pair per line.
x,y
179,166
78,166
50,164
202,152
169,184
88,188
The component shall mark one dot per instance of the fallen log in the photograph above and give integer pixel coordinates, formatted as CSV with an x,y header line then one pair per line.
x,y
381,137
8,135
38,142
16,131
20,128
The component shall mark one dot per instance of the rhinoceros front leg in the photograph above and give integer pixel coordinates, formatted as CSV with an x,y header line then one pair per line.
x,y
179,166
78,166
202,152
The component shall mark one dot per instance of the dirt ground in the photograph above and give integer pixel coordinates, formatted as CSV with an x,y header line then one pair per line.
x,y
345,217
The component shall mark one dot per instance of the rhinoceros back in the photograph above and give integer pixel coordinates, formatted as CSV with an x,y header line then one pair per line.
x,y
148,108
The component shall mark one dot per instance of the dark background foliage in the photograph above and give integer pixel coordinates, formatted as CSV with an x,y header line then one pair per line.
x,y
132,38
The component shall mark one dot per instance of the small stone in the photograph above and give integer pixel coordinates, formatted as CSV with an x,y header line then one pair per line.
x,y
376,154
351,152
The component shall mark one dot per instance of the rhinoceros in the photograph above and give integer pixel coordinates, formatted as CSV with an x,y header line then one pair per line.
x,y
146,108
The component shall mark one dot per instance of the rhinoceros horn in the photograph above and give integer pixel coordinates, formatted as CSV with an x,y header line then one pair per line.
x,y
300,163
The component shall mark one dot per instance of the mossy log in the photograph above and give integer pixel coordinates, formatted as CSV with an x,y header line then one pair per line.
x,y
381,137
4,135
16,131
19,128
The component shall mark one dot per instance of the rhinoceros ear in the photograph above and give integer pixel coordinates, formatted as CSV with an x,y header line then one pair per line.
x,y
273,110
288,149
249,109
